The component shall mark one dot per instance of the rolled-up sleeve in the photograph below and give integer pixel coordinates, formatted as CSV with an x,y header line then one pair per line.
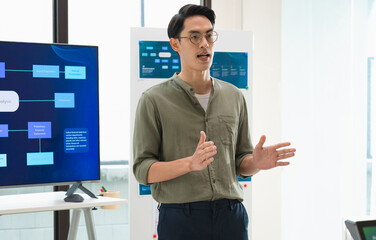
x,y
146,138
244,145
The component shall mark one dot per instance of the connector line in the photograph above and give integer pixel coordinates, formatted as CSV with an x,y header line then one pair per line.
x,y
39,145
37,100
18,130
16,70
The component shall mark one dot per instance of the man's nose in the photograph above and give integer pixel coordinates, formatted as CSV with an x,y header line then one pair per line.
x,y
204,42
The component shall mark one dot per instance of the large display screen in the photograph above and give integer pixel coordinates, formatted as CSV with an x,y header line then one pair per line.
x,y
49,118
369,232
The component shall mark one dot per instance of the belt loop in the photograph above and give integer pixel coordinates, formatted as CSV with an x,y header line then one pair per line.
x,y
159,206
186,209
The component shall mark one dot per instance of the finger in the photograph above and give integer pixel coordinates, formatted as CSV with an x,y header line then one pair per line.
x,y
280,164
287,150
208,161
202,138
209,154
284,156
206,145
208,150
281,145
261,142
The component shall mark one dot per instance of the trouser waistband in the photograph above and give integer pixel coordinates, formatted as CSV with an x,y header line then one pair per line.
x,y
203,204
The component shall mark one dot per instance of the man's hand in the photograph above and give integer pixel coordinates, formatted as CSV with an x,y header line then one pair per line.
x,y
203,155
269,157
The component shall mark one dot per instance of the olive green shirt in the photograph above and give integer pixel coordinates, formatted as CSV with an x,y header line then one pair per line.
x,y
168,122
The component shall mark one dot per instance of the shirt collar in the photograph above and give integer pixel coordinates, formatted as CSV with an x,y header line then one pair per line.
x,y
188,89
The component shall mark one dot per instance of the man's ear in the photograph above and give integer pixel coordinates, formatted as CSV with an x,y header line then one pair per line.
x,y
175,44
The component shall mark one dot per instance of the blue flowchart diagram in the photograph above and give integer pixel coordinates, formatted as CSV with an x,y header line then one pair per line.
x,y
75,139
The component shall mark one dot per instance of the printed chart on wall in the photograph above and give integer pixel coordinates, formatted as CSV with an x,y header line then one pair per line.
x,y
231,67
48,113
158,60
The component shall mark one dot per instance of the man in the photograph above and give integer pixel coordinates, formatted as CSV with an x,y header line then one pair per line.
x,y
191,140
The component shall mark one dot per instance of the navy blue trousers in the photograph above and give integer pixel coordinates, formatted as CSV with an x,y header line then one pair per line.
x,y
218,220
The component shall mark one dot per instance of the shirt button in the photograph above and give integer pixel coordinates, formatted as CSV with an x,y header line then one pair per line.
x,y
213,180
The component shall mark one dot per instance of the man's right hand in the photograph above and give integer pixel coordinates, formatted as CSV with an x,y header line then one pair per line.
x,y
203,155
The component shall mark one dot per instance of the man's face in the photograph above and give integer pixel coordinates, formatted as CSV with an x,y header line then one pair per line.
x,y
195,57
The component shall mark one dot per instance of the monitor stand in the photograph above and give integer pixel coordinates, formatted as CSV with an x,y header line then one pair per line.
x,y
74,187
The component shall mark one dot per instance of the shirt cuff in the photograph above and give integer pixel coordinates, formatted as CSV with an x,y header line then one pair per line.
x,y
143,170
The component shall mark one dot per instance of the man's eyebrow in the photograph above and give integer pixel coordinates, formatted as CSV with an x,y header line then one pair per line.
x,y
195,31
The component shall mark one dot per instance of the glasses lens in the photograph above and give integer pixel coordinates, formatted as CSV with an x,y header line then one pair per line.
x,y
212,36
196,38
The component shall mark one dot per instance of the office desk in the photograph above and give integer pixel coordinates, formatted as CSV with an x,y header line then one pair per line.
x,y
54,201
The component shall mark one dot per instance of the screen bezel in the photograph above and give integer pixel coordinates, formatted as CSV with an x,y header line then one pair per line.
x,y
98,116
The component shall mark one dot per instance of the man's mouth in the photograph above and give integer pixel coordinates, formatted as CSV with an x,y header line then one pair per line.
x,y
203,56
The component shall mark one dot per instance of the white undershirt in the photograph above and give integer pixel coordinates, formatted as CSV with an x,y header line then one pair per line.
x,y
203,99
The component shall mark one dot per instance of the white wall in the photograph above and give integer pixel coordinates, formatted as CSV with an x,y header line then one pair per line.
x,y
324,113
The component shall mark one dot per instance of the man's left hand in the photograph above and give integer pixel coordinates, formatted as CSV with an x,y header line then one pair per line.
x,y
269,157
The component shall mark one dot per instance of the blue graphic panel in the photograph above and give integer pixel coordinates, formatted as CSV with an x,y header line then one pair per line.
x,y
157,59
248,179
231,67
53,87
144,190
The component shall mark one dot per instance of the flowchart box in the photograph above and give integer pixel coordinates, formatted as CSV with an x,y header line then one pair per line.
x,y
46,71
3,160
75,72
2,69
3,130
64,100
9,101
38,130
76,140
40,158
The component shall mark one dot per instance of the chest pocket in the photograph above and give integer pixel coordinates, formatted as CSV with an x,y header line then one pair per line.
x,y
228,127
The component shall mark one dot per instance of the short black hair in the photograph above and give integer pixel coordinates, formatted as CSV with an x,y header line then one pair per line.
x,y
176,25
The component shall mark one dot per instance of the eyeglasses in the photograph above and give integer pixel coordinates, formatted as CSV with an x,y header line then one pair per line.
x,y
196,37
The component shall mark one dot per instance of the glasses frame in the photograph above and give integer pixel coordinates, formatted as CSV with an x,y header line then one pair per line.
x,y
206,34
